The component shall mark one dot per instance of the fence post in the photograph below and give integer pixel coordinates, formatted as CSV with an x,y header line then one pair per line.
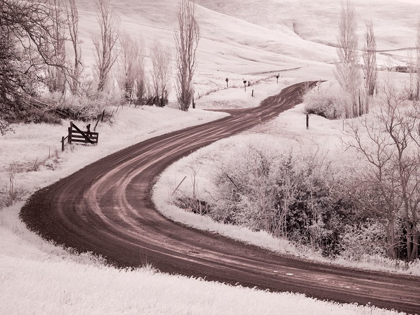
x,y
62,143
252,93
97,122
70,131
307,121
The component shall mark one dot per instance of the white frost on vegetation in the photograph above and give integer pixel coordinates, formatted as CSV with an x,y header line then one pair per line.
x,y
285,134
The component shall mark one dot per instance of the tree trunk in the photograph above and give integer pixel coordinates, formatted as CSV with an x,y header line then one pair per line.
x,y
390,231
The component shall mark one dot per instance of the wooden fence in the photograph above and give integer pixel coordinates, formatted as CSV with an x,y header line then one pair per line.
x,y
77,136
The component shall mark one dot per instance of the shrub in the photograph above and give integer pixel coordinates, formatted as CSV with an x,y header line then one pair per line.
x,y
84,108
284,195
192,205
325,101
244,189
366,239
37,116
299,198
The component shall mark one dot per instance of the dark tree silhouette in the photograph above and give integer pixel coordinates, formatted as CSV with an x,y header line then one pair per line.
x,y
26,48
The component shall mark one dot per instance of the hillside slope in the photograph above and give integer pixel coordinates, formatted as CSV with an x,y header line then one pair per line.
x,y
241,38
395,21
226,41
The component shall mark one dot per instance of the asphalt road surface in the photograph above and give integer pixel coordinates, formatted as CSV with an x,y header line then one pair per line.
x,y
106,208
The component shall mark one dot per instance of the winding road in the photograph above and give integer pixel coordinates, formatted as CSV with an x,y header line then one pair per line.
x,y
106,208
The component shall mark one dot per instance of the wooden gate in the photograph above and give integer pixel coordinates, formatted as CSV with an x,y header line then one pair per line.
x,y
77,136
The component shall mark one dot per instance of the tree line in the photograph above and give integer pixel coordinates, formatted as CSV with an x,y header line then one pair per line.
x,y
41,49
360,86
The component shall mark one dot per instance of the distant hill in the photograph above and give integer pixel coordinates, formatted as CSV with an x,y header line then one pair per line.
x,y
395,21
248,36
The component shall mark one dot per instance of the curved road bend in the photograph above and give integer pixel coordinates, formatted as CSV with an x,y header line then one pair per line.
x,y
106,208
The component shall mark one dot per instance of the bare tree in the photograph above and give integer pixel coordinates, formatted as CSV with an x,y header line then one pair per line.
x,y
140,82
377,190
105,43
392,149
72,15
186,39
347,70
56,75
285,195
131,79
369,58
27,37
161,72
376,196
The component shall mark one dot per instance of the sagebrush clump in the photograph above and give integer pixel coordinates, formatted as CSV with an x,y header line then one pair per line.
x,y
325,101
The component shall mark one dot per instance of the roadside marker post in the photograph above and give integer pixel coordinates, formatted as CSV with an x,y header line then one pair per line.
x,y
179,185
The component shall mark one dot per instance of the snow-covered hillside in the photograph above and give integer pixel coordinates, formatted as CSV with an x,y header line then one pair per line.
x,y
243,38
229,47
395,21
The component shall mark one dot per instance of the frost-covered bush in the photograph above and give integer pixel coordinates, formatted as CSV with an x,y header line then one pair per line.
x,y
366,239
299,197
288,196
83,108
326,101
37,116
245,188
